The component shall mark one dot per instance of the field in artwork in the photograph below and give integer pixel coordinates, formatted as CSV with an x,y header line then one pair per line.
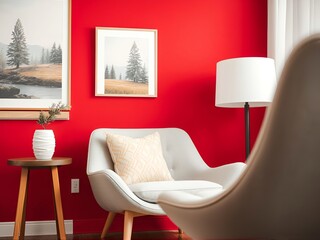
x,y
113,86
44,72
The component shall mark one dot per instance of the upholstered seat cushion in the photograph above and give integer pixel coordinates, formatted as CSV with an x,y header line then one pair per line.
x,y
150,191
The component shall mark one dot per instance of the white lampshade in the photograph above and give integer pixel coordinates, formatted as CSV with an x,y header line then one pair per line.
x,y
241,80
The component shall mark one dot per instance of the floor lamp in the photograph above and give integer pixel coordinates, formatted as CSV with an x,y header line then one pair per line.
x,y
245,82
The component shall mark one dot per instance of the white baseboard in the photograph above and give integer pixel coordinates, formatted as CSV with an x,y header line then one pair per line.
x,y
35,228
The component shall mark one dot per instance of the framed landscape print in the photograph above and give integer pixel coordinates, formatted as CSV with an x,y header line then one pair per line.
x,y
126,62
34,54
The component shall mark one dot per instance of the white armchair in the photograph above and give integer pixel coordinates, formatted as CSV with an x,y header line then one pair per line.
x,y
183,161
278,195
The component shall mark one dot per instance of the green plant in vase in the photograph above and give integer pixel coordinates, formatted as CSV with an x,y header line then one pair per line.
x,y
47,118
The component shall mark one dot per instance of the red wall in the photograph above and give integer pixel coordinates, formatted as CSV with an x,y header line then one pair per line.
x,y
192,36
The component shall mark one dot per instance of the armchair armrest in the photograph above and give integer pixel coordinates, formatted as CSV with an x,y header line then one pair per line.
x,y
114,195
224,175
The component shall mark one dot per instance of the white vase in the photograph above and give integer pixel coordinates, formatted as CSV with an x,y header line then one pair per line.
x,y
43,144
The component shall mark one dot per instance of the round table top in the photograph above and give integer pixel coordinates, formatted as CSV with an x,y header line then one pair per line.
x,y
33,162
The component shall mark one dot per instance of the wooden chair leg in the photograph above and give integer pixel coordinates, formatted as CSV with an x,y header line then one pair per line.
x,y
128,223
107,225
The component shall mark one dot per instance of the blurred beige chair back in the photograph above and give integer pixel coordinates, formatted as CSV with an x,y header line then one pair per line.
x,y
278,196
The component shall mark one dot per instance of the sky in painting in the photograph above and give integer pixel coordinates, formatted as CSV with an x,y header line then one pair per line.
x,y
118,50
41,19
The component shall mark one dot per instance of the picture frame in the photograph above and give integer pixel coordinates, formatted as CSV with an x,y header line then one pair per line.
x,y
126,62
41,76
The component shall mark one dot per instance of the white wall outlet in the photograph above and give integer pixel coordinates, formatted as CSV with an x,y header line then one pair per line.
x,y
75,185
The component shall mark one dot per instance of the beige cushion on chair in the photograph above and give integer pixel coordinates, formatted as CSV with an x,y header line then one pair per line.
x,y
138,159
150,191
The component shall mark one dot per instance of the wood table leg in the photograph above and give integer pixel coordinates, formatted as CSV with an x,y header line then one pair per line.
x,y
23,225
19,226
57,202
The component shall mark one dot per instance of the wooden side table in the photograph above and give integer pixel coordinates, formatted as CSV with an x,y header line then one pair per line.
x,y
28,164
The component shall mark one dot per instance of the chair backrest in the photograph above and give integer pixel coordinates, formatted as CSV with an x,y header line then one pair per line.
x,y
284,169
182,157
278,196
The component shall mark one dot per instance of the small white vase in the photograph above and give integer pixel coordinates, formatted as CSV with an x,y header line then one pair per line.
x,y
43,144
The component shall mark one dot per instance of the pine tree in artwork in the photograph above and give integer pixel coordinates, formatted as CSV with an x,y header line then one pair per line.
x,y
17,50
134,67
59,55
47,56
144,75
2,61
106,73
112,73
43,57
54,54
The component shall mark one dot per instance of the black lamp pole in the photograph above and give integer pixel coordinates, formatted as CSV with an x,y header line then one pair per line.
x,y
247,128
